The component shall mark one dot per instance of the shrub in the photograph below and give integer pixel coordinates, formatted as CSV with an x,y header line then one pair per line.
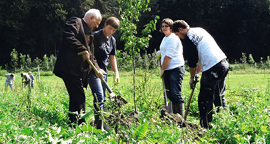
x,y
46,73
3,72
14,59
243,59
36,62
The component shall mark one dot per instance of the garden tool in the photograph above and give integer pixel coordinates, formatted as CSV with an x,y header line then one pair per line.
x,y
167,106
115,98
190,97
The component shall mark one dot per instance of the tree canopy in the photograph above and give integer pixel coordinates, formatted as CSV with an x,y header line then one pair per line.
x,y
35,27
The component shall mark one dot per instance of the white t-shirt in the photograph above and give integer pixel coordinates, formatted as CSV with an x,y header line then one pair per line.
x,y
171,46
10,79
208,51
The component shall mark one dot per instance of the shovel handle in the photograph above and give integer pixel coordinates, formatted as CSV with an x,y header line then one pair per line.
x,y
188,104
189,100
165,94
96,71
102,79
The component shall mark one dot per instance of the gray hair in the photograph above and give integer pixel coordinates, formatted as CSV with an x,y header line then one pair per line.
x,y
93,12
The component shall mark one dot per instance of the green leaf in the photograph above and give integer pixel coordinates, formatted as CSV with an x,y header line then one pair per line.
x,y
86,115
141,131
263,129
27,131
89,128
78,130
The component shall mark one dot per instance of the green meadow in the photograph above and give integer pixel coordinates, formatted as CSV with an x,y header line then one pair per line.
x,y
39,115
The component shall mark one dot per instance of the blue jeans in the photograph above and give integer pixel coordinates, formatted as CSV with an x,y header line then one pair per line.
x,y
212,91
9,84
32,84
98,90
173,84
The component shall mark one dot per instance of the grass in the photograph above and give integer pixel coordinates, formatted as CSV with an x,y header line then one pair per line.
x,y
42,118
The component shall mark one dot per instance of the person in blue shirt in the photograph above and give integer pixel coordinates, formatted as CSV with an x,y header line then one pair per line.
x,y
104,51
9,81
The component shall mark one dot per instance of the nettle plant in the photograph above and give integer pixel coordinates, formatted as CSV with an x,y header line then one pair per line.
x,y
135,41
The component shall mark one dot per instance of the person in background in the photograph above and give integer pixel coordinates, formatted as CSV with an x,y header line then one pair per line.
x,y
74,68
32,79
9,81
25,79
105,50
172,66
203,49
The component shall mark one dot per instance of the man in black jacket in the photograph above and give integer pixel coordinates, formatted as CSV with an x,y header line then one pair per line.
x,y
73,68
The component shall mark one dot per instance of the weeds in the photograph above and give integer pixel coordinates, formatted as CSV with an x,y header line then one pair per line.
x,y
246,120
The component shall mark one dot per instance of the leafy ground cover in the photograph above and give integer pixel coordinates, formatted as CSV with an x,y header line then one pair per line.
x,y
40,115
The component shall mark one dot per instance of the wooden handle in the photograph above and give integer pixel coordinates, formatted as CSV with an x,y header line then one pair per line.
x,y
96,71
189,101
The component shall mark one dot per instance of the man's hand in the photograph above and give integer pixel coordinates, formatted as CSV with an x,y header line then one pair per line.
x,y
100,73
161,73
86,56
116,78
158,55
197,75
192,83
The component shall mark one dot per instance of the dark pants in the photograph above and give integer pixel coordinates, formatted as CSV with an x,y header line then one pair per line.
x,y
76,93
173,84
212,91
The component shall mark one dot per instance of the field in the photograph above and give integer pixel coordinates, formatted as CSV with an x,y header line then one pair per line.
x,y
40,115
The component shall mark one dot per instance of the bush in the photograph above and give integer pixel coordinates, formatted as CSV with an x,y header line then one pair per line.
x,y
46,73
3,72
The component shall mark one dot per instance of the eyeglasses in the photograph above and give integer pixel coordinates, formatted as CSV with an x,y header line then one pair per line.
x,y
164,26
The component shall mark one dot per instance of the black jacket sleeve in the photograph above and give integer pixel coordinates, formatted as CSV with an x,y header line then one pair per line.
x,y
191,52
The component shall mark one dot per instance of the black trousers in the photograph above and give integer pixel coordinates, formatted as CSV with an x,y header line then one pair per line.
x,y
212,91
76,93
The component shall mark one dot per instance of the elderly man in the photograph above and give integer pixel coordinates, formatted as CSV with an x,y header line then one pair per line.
x,y
73,68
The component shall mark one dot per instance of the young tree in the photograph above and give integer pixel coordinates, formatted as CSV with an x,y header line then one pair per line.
x,y
22,61
45,62
28,62
130,13
14,59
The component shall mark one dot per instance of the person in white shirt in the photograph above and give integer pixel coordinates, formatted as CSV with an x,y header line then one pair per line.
x,y
172,66
203,51
9,81
25,79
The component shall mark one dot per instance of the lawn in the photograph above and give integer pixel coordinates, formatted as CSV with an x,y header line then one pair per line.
x,y
40,115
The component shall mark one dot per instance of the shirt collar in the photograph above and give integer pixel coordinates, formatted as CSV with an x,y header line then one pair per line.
x,y
87,29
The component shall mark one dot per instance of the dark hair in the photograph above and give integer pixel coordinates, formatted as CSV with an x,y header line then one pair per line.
x,y
12,75
113,21
179,24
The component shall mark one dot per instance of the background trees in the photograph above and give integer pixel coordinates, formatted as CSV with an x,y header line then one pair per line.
x,y
35,27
